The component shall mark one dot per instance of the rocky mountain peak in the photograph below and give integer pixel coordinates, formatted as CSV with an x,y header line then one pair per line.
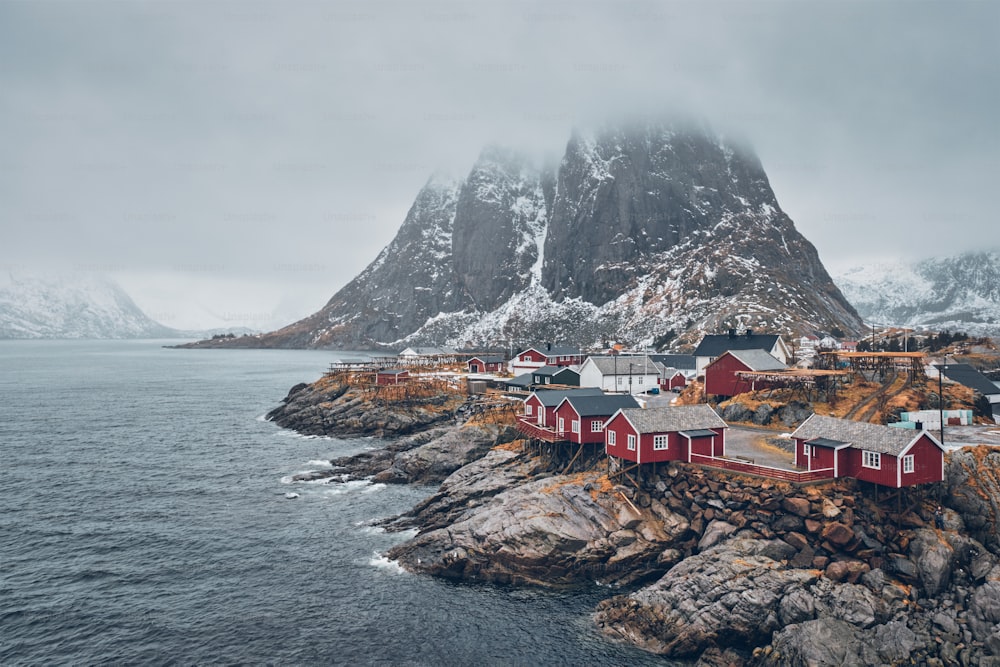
x,y
647,230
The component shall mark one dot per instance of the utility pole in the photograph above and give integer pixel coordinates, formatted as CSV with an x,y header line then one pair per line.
x,y
941,370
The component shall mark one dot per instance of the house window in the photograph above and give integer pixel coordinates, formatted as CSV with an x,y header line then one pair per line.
x,y
596,426
527,409
621,380
611,438
576,426
562,425
871,460
660,442
631,442
548,380
908,463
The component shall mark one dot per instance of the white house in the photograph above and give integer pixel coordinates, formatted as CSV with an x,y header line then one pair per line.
x,y
618,373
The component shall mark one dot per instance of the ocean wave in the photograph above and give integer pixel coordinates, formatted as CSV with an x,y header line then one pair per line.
x,y
348,487
319,463
380,562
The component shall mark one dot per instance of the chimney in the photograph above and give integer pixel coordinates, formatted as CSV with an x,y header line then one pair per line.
x,y
732,333
548,347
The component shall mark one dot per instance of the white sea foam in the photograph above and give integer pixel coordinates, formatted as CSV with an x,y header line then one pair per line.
x,y
262,418
348,487
382,563
319,463
374,487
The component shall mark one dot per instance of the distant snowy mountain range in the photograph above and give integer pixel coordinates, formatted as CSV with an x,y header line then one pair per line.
x,y
77,306
954,293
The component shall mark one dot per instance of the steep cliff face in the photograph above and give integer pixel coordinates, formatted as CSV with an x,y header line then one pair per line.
x,y
500,221
643,232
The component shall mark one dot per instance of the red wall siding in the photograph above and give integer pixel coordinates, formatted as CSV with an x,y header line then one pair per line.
x,y
886,475
531,356
928,463
536,406
622,428
720,378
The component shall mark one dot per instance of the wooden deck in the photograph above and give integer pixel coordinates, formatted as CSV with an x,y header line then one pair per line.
x,y
543,433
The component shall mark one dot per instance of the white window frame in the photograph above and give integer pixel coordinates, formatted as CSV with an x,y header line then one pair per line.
x,y
909,465
621,380
575,426
596,426
611,438
631,442
527,409
661,442
562,425
872,460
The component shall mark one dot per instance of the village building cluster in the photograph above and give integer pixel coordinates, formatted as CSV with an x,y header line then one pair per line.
x,y
620,403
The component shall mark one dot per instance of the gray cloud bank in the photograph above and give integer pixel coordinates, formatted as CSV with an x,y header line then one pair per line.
x,y
249,158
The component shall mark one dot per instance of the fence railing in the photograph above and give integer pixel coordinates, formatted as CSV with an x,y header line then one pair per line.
x,y
533,430
763,471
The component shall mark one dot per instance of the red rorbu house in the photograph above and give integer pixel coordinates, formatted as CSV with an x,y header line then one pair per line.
x,y
581,418
547,355
893,457
722,375
486,364
675,433
540,407
392,376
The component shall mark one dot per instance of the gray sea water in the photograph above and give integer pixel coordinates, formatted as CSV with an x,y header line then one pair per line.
x,y
143,519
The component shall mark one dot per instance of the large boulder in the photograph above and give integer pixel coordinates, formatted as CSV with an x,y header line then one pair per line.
x,y
972,477
933,558
832,642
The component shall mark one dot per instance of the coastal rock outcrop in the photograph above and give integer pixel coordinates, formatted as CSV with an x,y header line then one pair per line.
x,y
552,531
332,407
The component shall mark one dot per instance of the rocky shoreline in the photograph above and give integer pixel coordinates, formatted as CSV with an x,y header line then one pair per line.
x,y
699,564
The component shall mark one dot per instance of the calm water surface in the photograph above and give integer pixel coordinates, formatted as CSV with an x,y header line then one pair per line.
x,y
143,519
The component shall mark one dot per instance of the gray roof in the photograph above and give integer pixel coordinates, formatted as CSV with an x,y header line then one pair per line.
x,y
550,398
673,418
758,360
489,358
968,376
552,371
606,405
713,345
625,365
522,380
860,435
679,361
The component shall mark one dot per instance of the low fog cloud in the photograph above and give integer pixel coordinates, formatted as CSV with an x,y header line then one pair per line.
x,y
278,146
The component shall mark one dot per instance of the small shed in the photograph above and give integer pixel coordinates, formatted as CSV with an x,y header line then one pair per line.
x,y
490,363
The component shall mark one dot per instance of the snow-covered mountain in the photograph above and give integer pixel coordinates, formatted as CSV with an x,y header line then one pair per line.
x,y
645,233
955,293
72,306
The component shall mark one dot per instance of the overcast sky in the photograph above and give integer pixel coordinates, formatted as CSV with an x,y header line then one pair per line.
x,y
239,162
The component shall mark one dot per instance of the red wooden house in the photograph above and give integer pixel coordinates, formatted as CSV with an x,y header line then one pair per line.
x,y
675,433
392,376
486,364
721,377
884,455
545,355
581,418
540,406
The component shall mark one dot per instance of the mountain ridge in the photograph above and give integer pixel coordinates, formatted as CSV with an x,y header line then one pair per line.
x,y
644,232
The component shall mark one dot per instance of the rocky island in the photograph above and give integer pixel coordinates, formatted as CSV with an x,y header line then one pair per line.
x,y
700,564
